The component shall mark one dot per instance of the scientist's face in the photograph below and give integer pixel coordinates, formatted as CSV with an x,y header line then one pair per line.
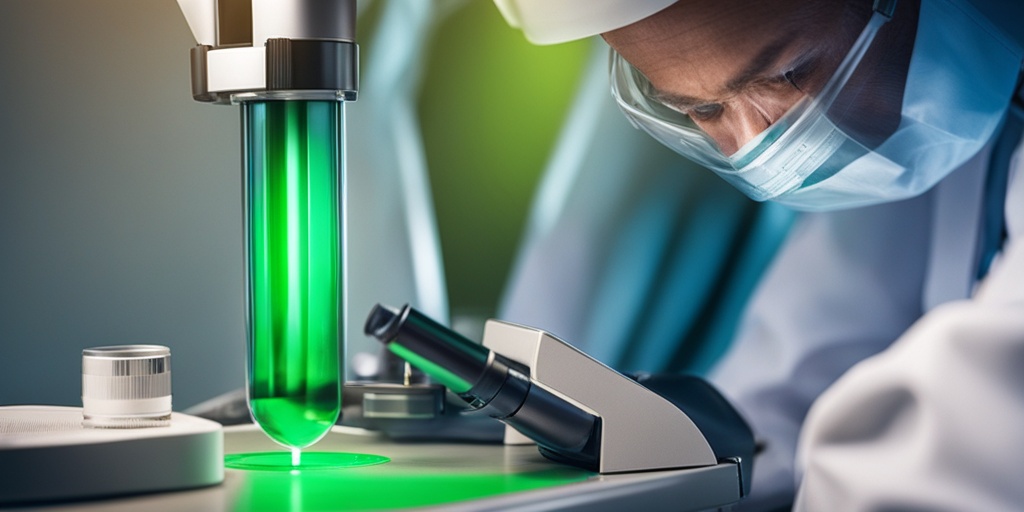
x,y
735,66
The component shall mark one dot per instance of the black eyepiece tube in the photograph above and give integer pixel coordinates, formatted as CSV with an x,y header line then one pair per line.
x,y
487,381
442,353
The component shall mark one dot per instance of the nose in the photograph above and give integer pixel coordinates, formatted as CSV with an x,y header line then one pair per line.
x,y
740,123
744,118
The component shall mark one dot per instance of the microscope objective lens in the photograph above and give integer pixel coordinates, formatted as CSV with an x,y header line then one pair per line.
x,y
294,242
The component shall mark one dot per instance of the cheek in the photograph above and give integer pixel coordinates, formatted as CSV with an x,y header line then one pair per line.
x,y
870,113
869,108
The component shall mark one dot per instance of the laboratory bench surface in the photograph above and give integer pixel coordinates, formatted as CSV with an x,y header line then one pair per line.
x,y
430,476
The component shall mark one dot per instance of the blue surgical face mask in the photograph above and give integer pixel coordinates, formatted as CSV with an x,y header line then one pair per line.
x,y
955,94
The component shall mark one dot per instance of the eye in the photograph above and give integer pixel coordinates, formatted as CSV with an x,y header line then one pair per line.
x,y
705,112
802,76
790,77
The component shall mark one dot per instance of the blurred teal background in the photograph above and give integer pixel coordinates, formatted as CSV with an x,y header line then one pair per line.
x,y
120,216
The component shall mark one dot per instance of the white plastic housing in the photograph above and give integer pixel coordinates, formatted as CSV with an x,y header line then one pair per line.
x,y
640,430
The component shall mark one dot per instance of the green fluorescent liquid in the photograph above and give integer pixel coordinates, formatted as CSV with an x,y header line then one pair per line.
x,y
294,190
376,488
311,461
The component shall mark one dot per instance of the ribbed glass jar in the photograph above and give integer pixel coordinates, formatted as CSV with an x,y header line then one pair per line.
x,y
126,386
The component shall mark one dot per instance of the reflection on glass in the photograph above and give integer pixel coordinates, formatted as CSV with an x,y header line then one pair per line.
x,y
294,191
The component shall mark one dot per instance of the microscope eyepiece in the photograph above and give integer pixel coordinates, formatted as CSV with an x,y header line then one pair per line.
x,y
442,353
486,380
382,323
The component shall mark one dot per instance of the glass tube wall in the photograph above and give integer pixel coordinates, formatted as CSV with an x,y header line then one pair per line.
x,y
294,190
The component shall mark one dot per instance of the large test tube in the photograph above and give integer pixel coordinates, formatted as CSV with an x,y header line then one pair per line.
x,y
294,192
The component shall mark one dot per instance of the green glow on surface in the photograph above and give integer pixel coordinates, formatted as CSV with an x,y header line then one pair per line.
x,y
294,183
311,461
370,489
439,373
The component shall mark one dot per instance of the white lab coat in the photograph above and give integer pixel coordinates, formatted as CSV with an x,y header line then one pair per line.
x,y
935,420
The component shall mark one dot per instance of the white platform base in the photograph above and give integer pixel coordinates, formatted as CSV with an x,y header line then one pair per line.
x,y
46,455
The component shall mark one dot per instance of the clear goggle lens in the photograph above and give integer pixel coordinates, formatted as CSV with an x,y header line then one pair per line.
x,y
777,159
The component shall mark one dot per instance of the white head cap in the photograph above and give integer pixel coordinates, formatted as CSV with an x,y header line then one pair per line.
x,y
558,21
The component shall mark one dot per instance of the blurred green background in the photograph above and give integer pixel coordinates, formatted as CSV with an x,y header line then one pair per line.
x,y
490,109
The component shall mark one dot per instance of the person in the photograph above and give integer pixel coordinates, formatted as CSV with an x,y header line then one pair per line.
x,y
880,358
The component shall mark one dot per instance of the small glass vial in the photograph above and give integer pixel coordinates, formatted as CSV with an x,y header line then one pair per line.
x,y
126,386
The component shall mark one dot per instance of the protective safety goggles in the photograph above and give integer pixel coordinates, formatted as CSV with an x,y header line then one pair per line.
x,y
802,142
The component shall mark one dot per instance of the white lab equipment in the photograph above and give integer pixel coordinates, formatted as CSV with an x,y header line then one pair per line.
x,y
123,440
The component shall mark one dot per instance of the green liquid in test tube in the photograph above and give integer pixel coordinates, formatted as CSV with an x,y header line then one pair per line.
x,y
294,192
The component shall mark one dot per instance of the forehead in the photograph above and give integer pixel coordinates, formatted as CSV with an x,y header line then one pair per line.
x,y
715,39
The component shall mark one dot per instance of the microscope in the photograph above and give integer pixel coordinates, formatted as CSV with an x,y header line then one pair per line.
x,y
577,410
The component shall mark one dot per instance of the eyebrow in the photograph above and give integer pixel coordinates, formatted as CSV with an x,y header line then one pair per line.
x,y
755,69
676,100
